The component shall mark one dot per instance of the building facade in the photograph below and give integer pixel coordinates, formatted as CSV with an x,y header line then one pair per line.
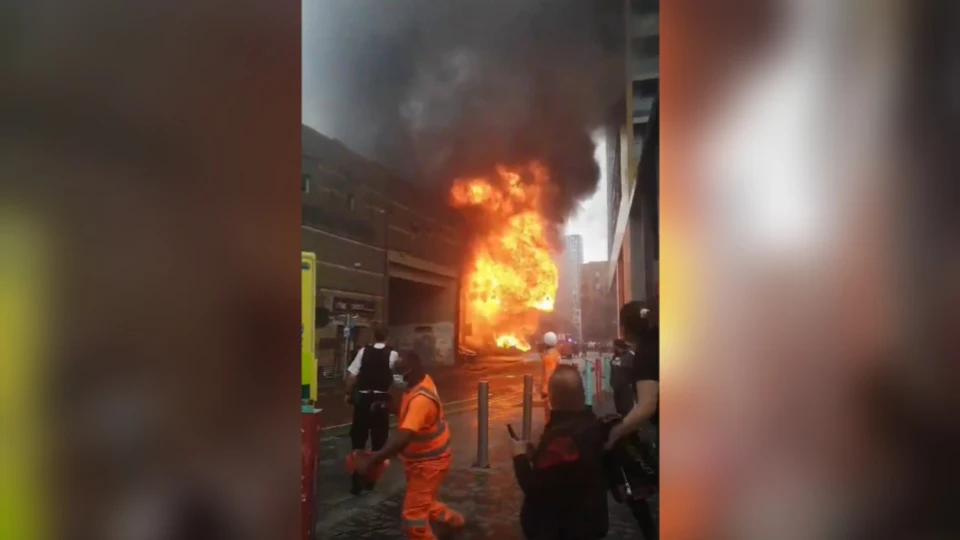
x,y
387,252
632,138
598,305
568,308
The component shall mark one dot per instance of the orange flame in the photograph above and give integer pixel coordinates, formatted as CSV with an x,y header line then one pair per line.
x,y
513,276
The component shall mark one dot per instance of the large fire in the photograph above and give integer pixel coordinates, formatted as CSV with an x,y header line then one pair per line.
x,y
512,276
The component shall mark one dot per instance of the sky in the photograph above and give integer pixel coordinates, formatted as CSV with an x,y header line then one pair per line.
x,y
590,221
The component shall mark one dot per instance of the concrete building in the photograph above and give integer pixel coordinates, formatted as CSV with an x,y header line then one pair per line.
x,y
387,252
632,161
598,306
568,318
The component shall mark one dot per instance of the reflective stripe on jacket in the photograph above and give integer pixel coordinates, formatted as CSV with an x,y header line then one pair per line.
x,y
433,441
550,360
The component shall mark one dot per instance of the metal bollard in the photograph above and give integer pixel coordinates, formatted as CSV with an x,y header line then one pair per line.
x,y
483,425
527,406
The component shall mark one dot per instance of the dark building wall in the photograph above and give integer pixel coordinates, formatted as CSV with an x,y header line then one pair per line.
x,y
343,221
416,303
634,251
355,200
421,224
344,224
345,254
425,242
357,217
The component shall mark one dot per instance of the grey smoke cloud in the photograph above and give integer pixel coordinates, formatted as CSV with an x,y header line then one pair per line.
x,y
439,90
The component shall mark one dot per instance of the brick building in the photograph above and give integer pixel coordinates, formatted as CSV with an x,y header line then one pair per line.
x,y
598,303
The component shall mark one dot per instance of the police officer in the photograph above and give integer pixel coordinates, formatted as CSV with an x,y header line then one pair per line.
x,y
621,377
639,322
368,387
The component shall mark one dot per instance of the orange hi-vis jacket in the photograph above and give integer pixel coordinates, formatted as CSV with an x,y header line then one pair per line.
x,y
432,441
550,359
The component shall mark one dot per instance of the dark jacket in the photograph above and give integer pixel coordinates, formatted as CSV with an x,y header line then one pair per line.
x,y
632,467
564,487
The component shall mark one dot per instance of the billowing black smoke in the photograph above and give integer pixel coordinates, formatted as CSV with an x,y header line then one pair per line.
x,y
444,88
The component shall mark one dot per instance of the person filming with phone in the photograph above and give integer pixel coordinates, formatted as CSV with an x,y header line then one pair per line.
x,y
562,477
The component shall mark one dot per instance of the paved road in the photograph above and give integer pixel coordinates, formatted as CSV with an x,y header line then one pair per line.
x,y
489,498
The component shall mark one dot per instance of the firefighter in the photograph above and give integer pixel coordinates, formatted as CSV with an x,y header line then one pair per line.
x,y
550,359
368,387
422,441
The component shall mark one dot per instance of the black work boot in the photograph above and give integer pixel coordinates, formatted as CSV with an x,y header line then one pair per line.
x,y
356,484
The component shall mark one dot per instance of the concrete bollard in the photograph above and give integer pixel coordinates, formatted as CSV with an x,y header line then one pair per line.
x,y
527,406
483,425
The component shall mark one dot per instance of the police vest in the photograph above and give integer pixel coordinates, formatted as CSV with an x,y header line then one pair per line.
x,y
375,373
433,441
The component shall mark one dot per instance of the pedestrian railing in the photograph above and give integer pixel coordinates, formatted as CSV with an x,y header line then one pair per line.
x,y
595,372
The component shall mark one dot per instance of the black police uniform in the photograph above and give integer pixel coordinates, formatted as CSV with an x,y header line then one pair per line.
x,y
373,385
622,381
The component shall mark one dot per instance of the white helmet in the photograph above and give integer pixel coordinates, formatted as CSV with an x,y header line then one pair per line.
x,y
550,339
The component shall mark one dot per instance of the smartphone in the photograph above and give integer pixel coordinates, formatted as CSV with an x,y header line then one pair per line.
x,y
513,434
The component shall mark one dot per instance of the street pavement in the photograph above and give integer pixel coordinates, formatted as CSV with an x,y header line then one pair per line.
x,y
488,497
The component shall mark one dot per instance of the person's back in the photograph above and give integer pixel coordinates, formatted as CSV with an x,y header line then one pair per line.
x,y
563,480
549,360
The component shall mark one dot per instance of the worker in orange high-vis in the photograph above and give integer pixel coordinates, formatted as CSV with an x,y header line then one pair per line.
x,y
422,442
550,359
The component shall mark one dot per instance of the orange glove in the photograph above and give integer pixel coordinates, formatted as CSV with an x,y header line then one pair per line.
x,y
374,473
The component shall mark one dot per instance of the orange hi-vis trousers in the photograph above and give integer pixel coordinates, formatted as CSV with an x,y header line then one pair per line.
x,y
420,505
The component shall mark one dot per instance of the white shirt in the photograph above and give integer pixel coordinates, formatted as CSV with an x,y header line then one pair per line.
x,y
354,368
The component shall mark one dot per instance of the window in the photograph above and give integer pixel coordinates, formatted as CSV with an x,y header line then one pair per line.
x,y
305,183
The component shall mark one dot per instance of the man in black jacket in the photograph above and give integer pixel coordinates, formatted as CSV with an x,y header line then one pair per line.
x,y
639,322
563,481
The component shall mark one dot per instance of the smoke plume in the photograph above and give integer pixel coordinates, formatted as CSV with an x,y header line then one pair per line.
x,y
443,89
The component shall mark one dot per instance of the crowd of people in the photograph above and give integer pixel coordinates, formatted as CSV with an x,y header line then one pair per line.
x,y
580,458
565,477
